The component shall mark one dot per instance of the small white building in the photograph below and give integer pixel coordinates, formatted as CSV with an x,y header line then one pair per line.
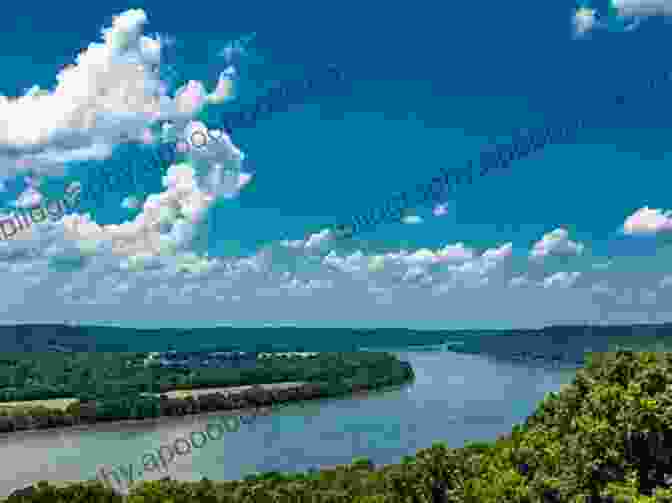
x,y
291,354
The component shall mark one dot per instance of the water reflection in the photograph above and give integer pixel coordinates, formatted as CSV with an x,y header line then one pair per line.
x,y
455,397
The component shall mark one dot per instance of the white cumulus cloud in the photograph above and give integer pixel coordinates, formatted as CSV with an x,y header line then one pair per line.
x,y
643,7
555,243
647,221
112,91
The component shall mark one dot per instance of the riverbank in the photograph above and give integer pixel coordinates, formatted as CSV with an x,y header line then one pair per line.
x,y
293,394
571,448
161,420
231,390
121,387
445,401
250,414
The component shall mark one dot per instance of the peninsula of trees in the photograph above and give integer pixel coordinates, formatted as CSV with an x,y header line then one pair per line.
x,y
46,390
604,438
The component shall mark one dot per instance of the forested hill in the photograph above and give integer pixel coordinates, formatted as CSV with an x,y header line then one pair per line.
x,y
574,339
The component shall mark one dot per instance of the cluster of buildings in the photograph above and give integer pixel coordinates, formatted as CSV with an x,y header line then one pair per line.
x,y
217,359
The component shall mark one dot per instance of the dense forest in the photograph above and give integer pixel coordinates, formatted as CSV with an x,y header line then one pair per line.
x,y
606,437
38,376
117,386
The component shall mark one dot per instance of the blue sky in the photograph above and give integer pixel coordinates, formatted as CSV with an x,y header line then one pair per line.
x,y
424,89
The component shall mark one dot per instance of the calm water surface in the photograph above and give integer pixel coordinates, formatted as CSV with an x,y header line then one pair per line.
x,y
454,398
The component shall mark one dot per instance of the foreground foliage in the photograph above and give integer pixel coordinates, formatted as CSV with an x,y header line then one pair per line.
x,y
607,437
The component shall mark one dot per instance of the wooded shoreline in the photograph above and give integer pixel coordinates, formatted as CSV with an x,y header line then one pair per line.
x,y
606,437
153,420
141,393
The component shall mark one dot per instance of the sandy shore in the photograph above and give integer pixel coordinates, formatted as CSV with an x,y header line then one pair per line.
x,y
52,403
263,411
232,390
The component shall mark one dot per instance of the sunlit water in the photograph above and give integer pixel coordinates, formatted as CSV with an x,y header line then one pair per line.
x,y
454,398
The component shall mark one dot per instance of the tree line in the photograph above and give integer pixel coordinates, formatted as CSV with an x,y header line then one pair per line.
x,y
341,374
87,376
604,438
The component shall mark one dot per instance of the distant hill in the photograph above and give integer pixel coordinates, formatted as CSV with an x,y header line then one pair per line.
x,y
573,340
561,343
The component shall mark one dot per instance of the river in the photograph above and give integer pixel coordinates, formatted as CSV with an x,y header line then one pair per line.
x,y
455,398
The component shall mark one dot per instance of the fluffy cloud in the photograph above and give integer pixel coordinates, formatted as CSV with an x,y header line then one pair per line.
x,y
621,16
555,243
319,239
584,20
312,242
454,253
498,254
643,7
562,279
113,92
29,198
146,269
104,267
440,210
165,224
646,221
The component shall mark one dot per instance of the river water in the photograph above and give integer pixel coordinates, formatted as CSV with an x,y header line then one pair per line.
x,y
455,398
